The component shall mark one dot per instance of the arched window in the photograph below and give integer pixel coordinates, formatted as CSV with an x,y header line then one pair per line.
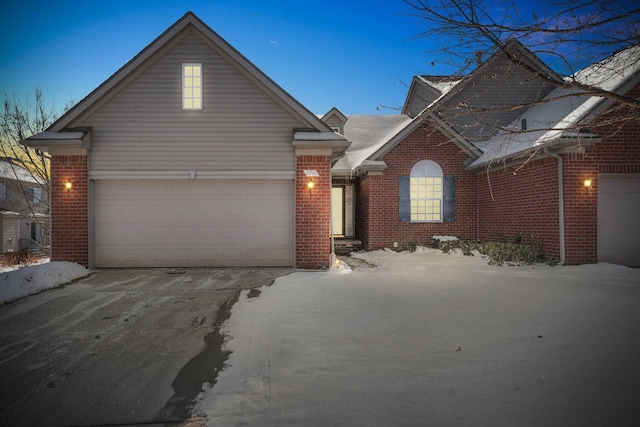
x,y
426,192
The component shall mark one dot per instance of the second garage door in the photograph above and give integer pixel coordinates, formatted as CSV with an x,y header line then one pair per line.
x,y
241,223
618,225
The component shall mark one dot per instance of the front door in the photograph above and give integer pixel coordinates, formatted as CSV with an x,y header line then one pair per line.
x,y
337,210
342,210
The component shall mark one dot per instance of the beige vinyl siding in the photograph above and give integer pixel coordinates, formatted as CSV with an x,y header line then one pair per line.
x,y
143,127
335,122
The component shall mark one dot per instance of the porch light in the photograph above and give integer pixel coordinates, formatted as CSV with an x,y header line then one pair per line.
x,y
310,186
587,184
68,185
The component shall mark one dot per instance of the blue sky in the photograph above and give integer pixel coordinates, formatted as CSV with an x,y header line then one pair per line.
x,y
355,55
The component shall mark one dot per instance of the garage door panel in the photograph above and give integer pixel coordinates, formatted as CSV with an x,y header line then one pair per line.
x,y
193,223
618,226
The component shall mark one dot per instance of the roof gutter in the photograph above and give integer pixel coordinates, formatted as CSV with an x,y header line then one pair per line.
x,y
560,202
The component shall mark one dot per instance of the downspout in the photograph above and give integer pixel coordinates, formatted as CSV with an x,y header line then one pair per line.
x,y
560,201
332,260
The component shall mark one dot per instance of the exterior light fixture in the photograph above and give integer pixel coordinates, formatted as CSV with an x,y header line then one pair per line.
x,y
68,186
587,184
310,173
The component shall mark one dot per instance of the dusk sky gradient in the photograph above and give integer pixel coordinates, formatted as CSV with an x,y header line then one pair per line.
x,y
358,56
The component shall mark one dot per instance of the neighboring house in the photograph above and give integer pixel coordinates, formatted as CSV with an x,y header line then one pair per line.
x,y
478,157
24,209
190,156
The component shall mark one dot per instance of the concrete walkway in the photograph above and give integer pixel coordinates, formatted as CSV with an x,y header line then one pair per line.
x,y
121,347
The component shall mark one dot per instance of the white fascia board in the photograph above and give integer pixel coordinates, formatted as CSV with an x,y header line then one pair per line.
x,y
60,143
320,143
304,136
192,175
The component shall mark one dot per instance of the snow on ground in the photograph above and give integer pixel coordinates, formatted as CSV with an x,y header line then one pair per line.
x,y
16,284
7,268
428,338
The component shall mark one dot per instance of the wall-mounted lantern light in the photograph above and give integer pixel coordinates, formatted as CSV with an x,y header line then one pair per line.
x,y
68,186
310,173
587,184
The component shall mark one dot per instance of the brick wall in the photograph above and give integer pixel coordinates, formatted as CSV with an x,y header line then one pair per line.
x,y
618,152
363,201
313,245
521,203
69,214
526,202
378,221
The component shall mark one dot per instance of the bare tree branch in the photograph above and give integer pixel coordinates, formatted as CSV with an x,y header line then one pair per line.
x,y
19,119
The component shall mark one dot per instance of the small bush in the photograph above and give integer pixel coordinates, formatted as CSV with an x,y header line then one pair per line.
x,y
498,253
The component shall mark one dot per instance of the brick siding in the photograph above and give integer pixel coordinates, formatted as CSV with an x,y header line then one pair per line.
x,y
313,246
377,203
69,210
521,204
526,202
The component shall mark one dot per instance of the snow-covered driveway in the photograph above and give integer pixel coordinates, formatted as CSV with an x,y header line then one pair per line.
x,y
121,347
434,339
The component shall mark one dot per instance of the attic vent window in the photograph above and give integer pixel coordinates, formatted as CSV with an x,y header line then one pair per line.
x,y
192,86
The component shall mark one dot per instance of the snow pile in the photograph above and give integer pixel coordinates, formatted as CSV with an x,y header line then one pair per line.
x,y
433,339
445,238
36,278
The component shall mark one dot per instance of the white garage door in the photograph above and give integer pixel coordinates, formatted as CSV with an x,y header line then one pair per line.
x,y
193,223
618,223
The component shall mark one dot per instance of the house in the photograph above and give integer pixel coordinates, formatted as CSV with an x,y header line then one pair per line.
x,y
501,156
190,156
23,209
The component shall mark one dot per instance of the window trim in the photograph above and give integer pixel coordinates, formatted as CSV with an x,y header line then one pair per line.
x,y
186,87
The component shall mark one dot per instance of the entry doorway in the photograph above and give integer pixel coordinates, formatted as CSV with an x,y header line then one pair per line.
x,y
342,210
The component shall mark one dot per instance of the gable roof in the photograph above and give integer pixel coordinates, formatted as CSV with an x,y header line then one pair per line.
x,y
426,90
493,94
373,136
334,112
564,109
189,20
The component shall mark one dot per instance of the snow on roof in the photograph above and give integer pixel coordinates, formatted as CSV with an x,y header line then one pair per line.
x,y
15,172
53,136
442,83
368,134
561,110
318,136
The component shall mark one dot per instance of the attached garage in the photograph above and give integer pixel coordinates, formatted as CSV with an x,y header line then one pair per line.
x,y
618,225
193,223
190,156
